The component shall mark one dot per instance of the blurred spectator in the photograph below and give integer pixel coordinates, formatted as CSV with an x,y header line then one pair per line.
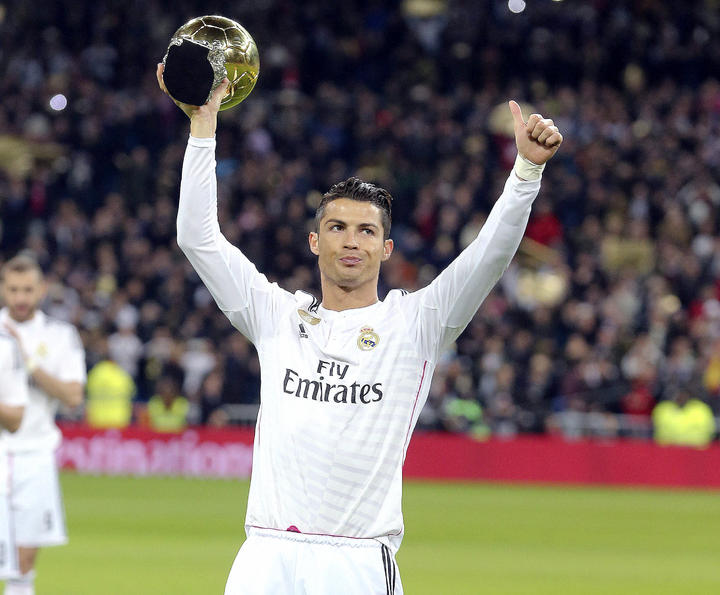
x,y
683,420
197,360
210,399
241,371
461,411
124,346
167,410
544,226
639,401
110,391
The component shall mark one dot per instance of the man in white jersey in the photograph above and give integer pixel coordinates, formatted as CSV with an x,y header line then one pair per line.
x,y
13,399
344,378
54,358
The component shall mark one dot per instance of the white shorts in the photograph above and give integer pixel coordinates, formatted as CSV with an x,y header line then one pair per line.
x,y
8,550
36,500
273,562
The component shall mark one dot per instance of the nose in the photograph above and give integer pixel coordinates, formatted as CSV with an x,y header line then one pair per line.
x,y
351,240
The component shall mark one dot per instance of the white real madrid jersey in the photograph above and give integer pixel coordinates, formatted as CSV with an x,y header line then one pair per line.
x,y
13,379
57,348
341,391
13,392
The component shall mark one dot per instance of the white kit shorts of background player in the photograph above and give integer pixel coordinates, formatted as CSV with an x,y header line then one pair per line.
x,y
341,392
36,498
13,392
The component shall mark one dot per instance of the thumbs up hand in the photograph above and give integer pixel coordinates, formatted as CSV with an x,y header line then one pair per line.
x,y
538,139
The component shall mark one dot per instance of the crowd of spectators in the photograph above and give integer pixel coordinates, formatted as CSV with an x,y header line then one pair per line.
x,y
612,301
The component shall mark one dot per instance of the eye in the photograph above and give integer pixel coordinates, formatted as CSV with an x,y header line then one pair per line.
x,y
369,231
336,227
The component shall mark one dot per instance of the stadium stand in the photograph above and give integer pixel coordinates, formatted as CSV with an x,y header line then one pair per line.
x,y
613,302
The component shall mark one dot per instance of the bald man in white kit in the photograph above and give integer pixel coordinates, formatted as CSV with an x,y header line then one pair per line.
x,y
54,359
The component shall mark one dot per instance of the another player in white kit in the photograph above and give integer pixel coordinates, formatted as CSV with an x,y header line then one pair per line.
x,y
54,358
13,399
344,379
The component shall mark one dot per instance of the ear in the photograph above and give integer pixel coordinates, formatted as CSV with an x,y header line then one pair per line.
x,y
387,249
313,241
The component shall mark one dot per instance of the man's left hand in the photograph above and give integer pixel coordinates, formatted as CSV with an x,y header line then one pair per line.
x,y
538,139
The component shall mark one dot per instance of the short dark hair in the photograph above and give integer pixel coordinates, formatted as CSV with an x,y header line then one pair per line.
x,y
356,189
22,263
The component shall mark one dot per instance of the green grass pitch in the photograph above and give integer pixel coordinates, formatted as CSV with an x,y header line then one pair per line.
x,y
177,536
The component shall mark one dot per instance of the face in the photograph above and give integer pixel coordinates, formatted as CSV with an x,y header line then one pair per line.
x,y
22,294
349,243
166,388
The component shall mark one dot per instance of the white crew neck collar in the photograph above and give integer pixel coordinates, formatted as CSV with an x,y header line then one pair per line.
x,y
324,312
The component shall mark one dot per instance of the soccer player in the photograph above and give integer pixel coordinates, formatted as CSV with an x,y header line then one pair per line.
x,y
343,378
54,359
13,398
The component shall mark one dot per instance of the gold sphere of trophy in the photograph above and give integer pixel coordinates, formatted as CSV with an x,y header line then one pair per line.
x,y
202,53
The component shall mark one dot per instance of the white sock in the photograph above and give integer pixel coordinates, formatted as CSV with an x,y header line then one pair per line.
x,y
23,584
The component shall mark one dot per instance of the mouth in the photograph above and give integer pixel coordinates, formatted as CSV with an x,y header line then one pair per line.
x,y
20,313
350,260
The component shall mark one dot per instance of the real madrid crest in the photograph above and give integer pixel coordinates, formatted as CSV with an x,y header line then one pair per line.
x,y
368,339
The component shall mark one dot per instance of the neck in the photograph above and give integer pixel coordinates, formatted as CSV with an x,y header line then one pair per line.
x,y
335,297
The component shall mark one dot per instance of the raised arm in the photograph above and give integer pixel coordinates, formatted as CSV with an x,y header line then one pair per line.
x,y
447,305
242,293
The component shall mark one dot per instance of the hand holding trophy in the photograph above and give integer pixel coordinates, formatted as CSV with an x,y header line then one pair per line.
x,y
202,53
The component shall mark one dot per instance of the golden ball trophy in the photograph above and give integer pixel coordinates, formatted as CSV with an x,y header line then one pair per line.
x,y
202,53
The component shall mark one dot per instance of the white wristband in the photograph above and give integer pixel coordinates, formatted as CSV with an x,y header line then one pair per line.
x,y
527,170
31,364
